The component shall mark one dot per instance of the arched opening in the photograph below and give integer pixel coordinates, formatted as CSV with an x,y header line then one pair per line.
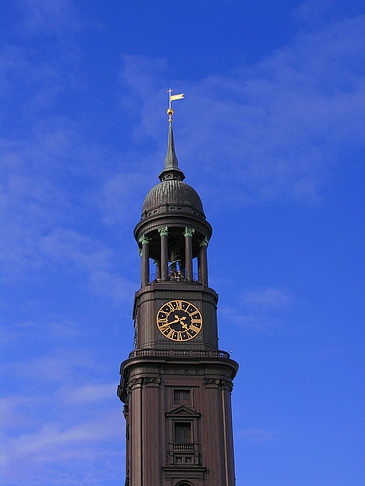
x,y
184,483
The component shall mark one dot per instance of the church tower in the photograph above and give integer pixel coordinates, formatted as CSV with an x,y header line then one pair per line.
x,y
176,384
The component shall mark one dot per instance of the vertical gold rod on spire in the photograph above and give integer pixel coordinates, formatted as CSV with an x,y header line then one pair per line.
x,y
169,92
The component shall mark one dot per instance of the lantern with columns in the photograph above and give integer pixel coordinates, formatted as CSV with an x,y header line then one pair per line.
x,y
173,229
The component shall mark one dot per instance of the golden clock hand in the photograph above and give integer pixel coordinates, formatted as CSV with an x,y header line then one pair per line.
x,y
183,324
168,323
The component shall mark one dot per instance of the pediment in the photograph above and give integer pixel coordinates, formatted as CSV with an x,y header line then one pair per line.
x,y
182,411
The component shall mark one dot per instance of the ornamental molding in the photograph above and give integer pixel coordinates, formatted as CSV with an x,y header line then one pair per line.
x,y
204,243
164,231
140,382
144,240
152,380
189,231
183,412
218,383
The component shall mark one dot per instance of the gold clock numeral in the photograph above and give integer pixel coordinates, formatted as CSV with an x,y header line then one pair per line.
x,y
170,333
194,328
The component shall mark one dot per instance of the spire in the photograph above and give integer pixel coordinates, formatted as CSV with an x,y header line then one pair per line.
x,y
171,170
171,159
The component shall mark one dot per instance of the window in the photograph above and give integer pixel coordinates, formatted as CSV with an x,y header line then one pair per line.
x,y
183,432
181,397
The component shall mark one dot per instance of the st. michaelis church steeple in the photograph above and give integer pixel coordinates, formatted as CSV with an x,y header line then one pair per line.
x,y
176,383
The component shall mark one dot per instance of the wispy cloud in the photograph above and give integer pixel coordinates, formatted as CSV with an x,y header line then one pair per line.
x,y
312,12
90,393
66,428
49,16
51,454
260,308
38,206
283,124
57,366
267,298
69,247
258,435
51,329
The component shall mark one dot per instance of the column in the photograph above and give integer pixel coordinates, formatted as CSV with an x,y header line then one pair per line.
x,y
145,264
158,269
189,252
164,253
203,262
182,267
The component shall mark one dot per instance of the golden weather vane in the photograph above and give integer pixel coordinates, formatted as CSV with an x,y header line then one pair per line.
x,y
170,111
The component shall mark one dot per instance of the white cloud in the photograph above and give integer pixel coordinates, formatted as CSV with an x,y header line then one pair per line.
x,y
48,16
275,130
90,393
254,319
53,453
37,206
57,366
260,309
257,435
311,12
50,329
15,411
267,298
69,247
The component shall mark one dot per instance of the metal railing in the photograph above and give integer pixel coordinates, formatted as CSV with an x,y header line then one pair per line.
x,y
177,277
187,447
161,353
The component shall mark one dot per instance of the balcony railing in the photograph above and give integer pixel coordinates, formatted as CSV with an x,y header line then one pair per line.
x,y
187,447
177,277
161,353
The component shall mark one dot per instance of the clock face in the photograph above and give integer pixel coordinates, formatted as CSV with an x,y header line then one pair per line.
x,y
179,320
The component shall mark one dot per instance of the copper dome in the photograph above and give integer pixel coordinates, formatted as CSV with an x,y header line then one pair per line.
x,y
173,193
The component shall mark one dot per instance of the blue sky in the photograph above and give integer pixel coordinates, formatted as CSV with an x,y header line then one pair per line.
x,y
271,136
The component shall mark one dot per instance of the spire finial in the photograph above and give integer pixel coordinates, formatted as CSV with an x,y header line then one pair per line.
x,y
171,170
170,111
